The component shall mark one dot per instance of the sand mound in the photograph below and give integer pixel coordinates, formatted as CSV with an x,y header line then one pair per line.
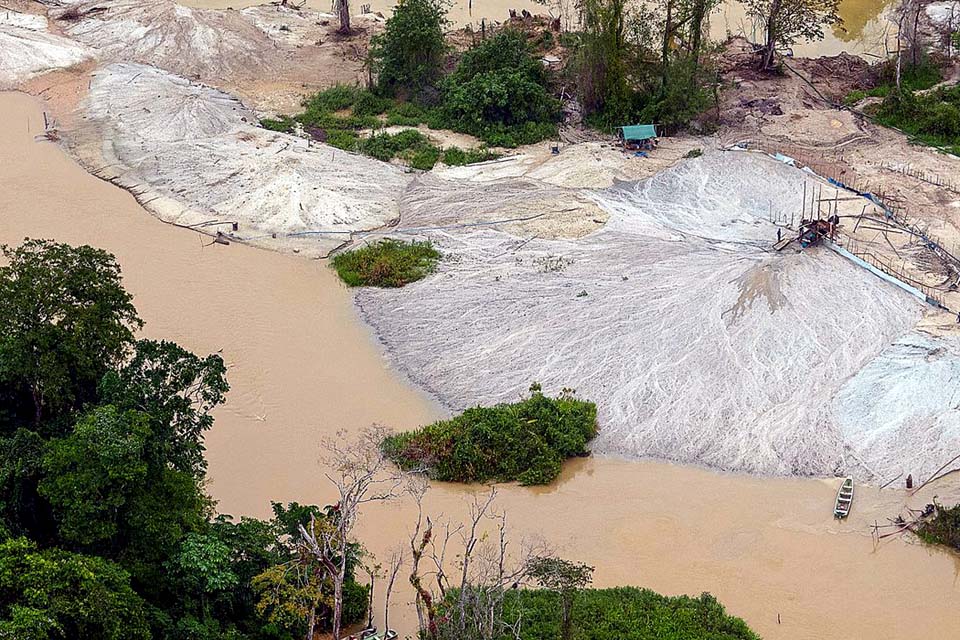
x,y
28,49
522,207
901,413
270,55
696,341
194,43
586,165
192,155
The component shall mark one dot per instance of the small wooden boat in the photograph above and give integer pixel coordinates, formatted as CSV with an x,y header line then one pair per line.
x,y
370,633
844,499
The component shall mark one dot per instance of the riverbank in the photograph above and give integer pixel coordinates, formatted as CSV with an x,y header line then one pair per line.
x,y
301,366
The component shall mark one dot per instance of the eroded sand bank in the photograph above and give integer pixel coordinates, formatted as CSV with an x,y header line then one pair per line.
x,y
301,367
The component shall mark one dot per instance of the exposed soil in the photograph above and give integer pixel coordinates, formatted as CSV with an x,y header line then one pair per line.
x,y
808,125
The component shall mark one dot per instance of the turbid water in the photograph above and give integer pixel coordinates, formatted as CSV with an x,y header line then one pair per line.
x,y
301,366
864,30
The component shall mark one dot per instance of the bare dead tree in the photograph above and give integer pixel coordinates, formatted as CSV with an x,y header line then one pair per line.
x,y
472,608
361,474
393,568
419,540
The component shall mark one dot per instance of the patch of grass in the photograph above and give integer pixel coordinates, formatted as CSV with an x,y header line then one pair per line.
x,y
912,78
944,528
932,118
457,157
282,124
388,263
406,114
424,159
624,613
526,441
336,115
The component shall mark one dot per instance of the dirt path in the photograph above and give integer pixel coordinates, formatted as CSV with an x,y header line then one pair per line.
x,y
301,367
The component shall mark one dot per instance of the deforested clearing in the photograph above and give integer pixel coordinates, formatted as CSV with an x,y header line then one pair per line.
x,y
699,343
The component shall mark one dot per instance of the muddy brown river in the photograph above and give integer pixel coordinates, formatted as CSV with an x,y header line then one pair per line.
x,y
302,366
865,29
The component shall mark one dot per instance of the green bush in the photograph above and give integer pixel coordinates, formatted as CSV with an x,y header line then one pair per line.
x,y
346,140
407,56
943,529
405,114
624,613
336,98
455,156
526,441
283,124
388,263
408,145
932,118
500,97
498,93
424,159
507,51
369,104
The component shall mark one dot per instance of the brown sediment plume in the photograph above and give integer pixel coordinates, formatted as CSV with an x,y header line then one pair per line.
x,y
301,367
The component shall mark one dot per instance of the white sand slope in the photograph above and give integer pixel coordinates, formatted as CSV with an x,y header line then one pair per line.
x,y
189,42
901,413
27,49
194,155
698,343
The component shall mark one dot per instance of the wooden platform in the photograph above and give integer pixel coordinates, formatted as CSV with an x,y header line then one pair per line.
x,y
784,243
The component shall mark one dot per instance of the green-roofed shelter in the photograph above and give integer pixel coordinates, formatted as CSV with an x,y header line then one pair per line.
x,y
638,132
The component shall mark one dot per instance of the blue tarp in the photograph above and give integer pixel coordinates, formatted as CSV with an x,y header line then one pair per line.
x,y
639,132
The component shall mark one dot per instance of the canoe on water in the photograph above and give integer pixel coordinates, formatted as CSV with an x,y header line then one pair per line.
x,y
844,499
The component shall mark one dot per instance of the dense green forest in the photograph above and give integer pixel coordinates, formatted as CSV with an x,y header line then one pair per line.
x,y
106,529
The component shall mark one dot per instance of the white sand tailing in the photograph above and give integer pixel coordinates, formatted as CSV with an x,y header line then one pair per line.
x,y
269,55
901,413
194,43
696,341
28,49
592,165
522,207
191,155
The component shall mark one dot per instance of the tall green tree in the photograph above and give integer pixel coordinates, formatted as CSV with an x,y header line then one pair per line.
x,y
56,595
103,457
563,577
66,321
177,390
